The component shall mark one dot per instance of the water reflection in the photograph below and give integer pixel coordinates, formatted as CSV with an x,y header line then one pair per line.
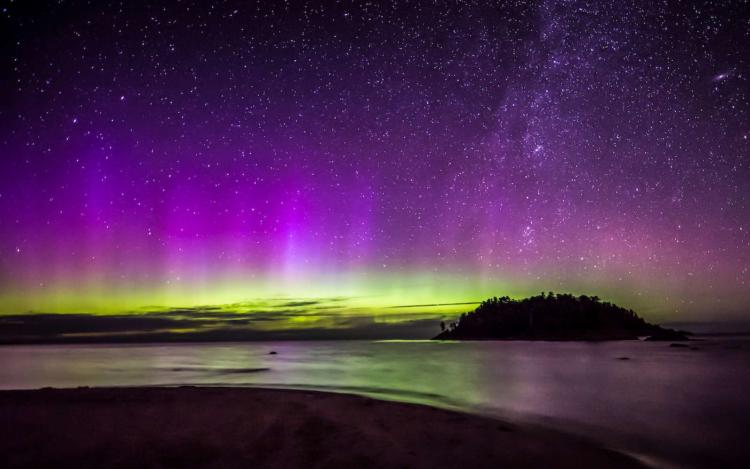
x,y
661,401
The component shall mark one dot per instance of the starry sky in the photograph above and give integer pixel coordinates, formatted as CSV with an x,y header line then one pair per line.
x,y
348,164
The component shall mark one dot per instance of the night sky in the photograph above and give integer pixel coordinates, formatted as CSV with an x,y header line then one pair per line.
x,y
338,165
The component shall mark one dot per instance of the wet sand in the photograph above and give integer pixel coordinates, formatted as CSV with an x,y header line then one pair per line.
x,y
241,427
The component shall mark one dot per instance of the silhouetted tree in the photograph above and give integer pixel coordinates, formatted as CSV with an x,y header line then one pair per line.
x,y
550,315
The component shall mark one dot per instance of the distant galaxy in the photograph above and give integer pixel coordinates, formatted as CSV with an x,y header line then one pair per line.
x,y
379,158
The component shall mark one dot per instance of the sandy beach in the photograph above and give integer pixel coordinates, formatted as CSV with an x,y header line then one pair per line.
x,y
240,427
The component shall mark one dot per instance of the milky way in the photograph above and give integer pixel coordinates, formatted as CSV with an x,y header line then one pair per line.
x,y
390,154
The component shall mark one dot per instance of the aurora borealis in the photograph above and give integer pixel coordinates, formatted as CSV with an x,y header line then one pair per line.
x,y
378,158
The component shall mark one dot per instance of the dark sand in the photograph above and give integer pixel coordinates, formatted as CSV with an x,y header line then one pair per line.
x,y
236,427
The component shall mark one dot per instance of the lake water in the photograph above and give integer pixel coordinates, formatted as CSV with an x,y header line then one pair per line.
x,y
670,406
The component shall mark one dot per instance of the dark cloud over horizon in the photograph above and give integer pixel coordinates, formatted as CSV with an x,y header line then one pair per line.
x,y
268,320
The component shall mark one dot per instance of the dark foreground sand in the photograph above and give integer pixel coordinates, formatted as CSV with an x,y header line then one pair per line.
x,y
235,427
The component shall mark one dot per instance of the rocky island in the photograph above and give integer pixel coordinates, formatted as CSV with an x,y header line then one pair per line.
x,y
554,317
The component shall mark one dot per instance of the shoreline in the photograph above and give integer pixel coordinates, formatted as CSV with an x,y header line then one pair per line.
x,y
268,427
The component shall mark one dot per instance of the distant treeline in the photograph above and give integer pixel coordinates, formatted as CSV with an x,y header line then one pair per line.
x,y
553,317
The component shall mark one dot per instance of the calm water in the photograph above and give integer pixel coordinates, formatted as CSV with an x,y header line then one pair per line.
x,y
668,405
